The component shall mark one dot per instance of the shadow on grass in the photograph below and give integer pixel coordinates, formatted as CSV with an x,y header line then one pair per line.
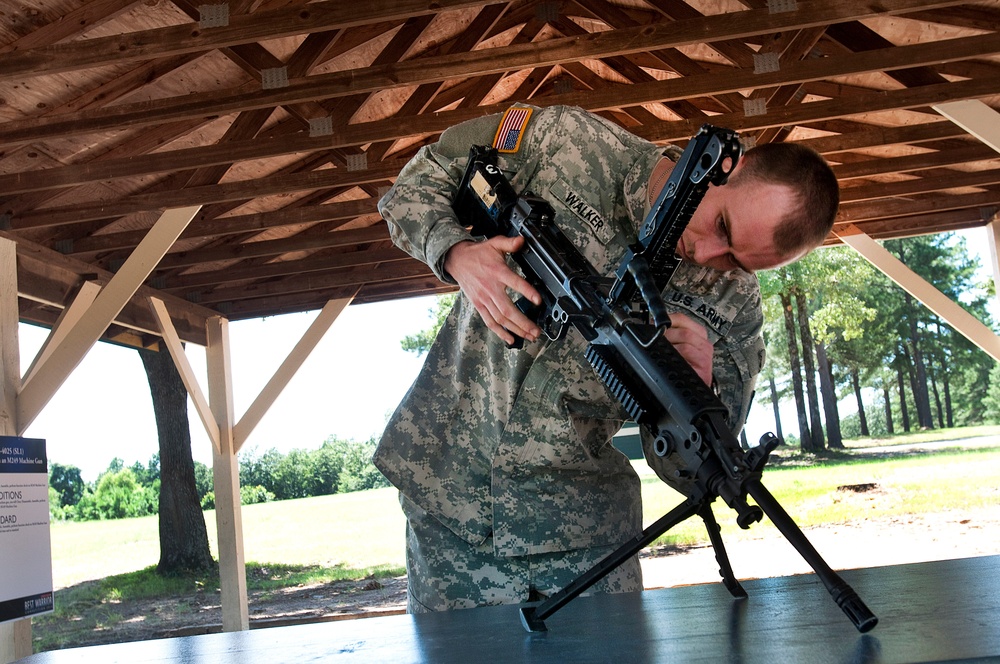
x,y
789,457
145,604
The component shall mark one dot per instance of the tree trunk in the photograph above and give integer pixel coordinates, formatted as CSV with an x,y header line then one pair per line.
x,y
889,429
904,414
805,334
921,398
862,418
937,401
948,410
775,406
805,440
828,390
183,536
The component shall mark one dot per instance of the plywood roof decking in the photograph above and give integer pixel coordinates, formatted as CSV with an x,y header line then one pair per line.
x,y
286,120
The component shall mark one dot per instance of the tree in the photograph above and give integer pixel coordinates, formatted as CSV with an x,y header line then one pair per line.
x,y
805,438
421,342
183,535
67,482
805,334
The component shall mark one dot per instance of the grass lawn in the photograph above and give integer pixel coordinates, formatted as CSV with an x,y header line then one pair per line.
x,y
359,531
353,531
100,565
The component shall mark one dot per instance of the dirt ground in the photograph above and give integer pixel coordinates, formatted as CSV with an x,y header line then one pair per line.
x,y
862,543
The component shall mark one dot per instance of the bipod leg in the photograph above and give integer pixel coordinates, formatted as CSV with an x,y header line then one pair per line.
x,y
845,596
721,557
533,617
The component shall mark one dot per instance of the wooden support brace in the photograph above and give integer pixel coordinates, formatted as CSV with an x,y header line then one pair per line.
x,y
287,370
67,320
960,319
64,358
975,117
188,377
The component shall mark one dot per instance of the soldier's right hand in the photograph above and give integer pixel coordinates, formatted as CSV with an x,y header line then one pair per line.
x,y
481,271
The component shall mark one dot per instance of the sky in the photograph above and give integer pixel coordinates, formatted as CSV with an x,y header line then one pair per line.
x,y
347,388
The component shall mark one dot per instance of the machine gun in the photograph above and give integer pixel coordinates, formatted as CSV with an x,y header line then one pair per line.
x,y
622,319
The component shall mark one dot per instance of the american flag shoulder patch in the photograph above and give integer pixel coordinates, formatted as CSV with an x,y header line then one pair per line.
x,y
511,131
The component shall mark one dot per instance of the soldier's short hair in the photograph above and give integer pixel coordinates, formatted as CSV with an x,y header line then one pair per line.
x,y
806,172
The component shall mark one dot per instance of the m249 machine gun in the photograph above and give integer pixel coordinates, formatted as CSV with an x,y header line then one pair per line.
x,y
623,318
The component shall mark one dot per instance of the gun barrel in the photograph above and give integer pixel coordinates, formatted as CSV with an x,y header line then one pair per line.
x,y
845,596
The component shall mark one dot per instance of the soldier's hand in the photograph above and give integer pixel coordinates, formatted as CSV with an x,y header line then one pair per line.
x,y
481,271
691,341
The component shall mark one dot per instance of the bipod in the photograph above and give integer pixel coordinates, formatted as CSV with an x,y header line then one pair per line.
x,y
533,617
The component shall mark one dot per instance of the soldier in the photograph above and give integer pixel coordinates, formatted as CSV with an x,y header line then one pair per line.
x,y
503,457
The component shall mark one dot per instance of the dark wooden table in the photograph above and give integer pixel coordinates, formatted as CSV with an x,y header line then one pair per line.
x,y
928,612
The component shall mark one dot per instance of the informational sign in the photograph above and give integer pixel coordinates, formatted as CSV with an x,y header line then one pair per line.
x,y
25,541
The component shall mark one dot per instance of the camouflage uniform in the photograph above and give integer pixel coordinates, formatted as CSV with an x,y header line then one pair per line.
x,y
510,450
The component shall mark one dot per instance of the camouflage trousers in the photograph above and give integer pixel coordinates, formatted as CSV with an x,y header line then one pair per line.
x,y
445,572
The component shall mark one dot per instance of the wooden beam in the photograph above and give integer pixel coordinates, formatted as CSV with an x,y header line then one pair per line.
x,y
188,377
377,232
68,320
317,281
293,362
377,78
923,185
993,241
326,261
883,100
83,18
657,131
180,159
226,477
106,307
975,117
15,636
913,162
205,194
241,29
10,354
891,208
960,319
51,279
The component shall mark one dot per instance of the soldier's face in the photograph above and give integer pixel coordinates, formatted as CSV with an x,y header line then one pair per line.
x,y
734,227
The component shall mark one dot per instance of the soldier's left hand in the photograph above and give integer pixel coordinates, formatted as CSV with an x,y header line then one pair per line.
x,y
691,341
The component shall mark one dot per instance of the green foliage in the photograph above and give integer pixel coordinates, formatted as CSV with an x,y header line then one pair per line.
x,y
872,329
251,495
421,342
56,511
67,482
358,473
117,496
203,480
338,466
991,402
148,474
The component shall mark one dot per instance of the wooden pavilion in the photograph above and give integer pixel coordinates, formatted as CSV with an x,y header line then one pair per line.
x,y
167,167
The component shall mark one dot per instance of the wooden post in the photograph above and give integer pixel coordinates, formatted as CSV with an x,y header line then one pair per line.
x,y
226,472
15,636
993,235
